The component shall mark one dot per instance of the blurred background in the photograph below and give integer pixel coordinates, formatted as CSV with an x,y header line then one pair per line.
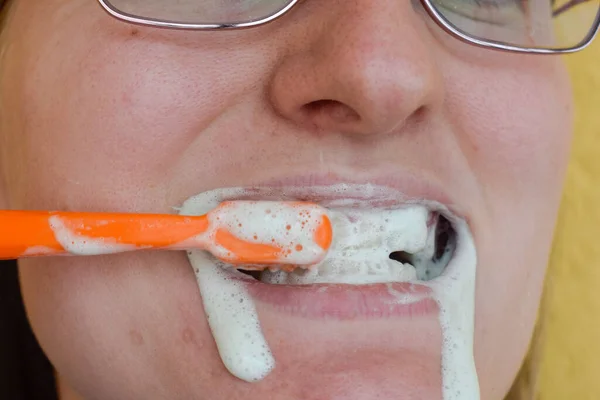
x,y
564,362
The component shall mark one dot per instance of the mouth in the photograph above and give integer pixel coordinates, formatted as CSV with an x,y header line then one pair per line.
x,y
383,255
379,237
386,249
391,257
412,257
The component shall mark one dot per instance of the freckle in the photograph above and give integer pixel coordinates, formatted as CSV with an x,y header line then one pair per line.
x,y
136,337
135,32
188,336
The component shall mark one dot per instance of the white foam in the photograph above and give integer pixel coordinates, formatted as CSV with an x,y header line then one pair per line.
x,y
233,321
350,272
38,251
362,242
289,226
84,246
235,324
454,292
230,310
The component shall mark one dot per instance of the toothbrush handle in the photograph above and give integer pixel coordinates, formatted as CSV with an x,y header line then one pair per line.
x,y
37,233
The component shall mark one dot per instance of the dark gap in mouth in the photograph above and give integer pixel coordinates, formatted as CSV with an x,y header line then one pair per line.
x,y
402,257
445,238
254,274
430,267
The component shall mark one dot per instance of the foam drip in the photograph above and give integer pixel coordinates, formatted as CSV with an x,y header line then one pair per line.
x,y
454,292
233,320
229,309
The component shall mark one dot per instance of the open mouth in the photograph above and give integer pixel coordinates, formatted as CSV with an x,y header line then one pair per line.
x,y
390,257
425,240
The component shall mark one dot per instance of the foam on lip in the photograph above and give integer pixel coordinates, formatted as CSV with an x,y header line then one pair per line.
x,y
235,325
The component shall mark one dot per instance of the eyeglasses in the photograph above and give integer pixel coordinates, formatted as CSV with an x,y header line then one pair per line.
x,y
524,26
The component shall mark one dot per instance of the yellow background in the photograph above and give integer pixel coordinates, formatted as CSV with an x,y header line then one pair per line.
x,y
568,349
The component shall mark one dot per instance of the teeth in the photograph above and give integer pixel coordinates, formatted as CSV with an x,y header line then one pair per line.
x,y
359,231
362,242
353,273
376,246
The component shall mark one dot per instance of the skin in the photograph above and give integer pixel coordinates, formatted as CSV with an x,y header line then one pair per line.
x,y
99,115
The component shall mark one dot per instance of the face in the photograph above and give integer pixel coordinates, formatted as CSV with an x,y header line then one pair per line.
x,y
100,115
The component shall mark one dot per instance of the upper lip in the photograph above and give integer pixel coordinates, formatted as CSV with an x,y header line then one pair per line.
x,y
397,187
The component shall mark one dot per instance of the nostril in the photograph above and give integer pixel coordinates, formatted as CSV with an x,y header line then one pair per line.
x,y
330,109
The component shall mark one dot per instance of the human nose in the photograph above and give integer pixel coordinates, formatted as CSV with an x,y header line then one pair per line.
x,y
358,67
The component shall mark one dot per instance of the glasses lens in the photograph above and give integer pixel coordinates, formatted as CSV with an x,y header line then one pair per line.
x,y
207,12
550,24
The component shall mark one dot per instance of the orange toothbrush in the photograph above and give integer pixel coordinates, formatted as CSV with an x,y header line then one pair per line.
x,y
237,232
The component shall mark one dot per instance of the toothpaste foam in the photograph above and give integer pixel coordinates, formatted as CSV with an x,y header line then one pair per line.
x,y
234,321
229,309
81,245
362,242
454,292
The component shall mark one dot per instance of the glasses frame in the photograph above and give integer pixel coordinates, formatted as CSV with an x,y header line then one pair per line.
x,y
438,18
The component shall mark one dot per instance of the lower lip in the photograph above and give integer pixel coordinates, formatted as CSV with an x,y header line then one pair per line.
x,y
346,302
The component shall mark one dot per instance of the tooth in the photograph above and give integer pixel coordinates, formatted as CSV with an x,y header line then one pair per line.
x,y
409,229
403,272
360,250
274,277
362,242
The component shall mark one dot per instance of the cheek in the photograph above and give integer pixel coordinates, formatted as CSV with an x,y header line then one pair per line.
x,y
116,115
119,345
517,133
517,122
102,125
